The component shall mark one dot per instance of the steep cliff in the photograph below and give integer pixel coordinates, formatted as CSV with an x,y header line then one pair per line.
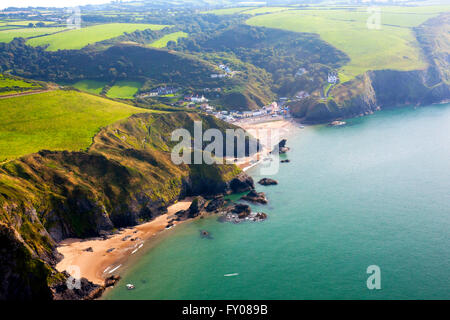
x,y
388,88
125,178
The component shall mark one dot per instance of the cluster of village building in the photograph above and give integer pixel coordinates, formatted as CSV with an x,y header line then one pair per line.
x,y
200,101
273,110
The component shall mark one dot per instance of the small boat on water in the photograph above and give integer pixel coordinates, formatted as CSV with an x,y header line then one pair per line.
x,y
231,274
130,286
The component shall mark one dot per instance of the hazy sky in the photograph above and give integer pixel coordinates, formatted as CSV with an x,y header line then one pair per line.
x,y
47,3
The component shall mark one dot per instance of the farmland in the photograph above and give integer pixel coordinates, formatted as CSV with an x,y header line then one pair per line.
x,y
9,35
228,11
124,89
390,47
91,86
162,43
24,22
57,120
79,38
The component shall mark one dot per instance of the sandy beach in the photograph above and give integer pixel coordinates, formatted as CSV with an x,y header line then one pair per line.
x,y
260,128
102,261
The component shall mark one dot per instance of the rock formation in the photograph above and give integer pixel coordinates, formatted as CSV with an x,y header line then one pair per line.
x,y
256,197
267,182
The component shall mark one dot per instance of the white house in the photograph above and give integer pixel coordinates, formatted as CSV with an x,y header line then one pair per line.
x,y
198,99
333,77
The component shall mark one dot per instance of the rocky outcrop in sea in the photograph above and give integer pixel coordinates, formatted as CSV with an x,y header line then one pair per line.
x,y
255,197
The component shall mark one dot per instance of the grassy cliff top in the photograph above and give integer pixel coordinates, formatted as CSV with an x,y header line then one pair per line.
x,y
392,45
56,120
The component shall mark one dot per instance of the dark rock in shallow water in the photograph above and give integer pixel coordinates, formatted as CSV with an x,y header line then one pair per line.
x,y
281,147
205,234
197,205
111,281
267,182
257,197
242,183
242,210
215,204
285,161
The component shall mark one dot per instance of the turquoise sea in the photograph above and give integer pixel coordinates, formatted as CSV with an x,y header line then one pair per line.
x,y
374,192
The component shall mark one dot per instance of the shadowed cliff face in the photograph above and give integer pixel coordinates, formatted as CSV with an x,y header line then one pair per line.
x,y
125,178
389,88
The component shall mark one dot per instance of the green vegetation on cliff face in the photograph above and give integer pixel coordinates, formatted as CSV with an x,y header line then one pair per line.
x,y
126,177
24,277
56,120
434,38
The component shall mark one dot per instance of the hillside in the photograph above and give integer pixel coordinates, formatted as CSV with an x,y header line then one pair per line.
x,y
387,88
280,53
151,66
56,120
125,178
79,38
389,45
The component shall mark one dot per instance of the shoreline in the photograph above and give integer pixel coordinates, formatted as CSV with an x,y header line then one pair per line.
x,y
99,258
108,255
283,126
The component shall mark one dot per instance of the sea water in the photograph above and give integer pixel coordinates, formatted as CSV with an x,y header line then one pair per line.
x,y
373,192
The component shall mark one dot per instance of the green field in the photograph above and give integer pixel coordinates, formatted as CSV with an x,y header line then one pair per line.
x,y
124,89
162,43
91,86
56,120
9,35
9,85
394,46
79,38
265,10
24,22
228,10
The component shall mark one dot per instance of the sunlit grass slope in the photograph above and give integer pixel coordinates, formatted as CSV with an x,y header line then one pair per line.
x,y
124,89
79,38
9,35
56,120
91,86
161,43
